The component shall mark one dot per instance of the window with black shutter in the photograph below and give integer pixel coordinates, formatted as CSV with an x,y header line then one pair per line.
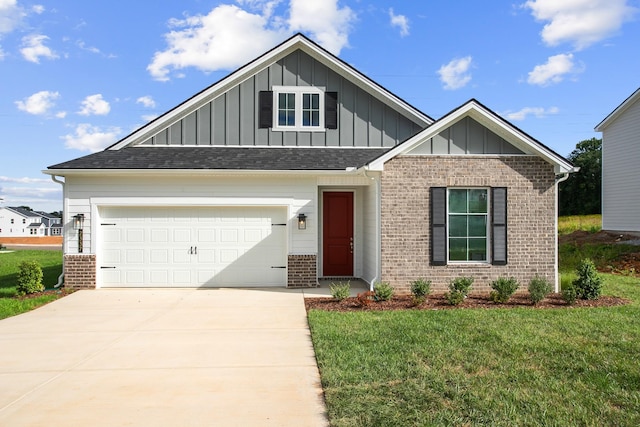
x,y
468,225
297,108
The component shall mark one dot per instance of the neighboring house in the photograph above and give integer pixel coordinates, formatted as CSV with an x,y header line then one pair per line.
x,y
19,222
620,171
297,167
53,224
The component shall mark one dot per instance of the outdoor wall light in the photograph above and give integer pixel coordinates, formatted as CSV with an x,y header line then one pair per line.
x,y
302,222
78,224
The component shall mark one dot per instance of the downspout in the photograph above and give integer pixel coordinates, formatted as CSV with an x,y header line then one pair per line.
x,y
61,277
563,177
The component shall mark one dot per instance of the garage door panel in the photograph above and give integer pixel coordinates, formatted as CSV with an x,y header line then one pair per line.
x,y
193,247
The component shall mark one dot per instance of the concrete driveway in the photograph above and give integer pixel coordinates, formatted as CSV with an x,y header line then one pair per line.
x,y
155,357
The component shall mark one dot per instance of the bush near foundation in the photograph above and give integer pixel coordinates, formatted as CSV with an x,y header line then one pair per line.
x,y
29,278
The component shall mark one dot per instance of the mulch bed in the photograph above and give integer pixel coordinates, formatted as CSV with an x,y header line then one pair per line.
x,y
62,292
438,302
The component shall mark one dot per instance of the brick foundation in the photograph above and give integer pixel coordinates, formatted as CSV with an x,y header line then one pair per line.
x,y
80,271
405,222
302,271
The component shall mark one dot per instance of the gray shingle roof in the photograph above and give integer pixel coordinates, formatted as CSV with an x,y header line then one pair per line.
x,y
232,158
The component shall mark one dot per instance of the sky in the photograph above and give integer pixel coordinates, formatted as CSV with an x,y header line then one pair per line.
x,y
77,76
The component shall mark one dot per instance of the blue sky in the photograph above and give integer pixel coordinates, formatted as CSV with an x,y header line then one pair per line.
x,y
76,76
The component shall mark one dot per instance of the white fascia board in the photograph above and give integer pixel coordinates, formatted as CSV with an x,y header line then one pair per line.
x,y
259,64
487,119
635,96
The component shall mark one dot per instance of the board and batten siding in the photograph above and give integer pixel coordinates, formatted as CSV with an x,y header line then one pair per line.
x,y
232,118
466,136
620,172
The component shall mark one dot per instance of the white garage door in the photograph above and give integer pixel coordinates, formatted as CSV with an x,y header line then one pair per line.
x,y
192,247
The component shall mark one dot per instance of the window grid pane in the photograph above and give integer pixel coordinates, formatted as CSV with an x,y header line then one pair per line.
x,y
286,109
310,109
468,221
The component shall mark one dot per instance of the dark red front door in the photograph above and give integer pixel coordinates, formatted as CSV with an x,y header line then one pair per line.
x,y
337,234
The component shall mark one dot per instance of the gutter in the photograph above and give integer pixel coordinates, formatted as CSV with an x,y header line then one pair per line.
x,y
64,213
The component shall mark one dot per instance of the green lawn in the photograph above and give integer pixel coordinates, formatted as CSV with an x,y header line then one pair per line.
x,y
502,367
51,263
560,367
569,224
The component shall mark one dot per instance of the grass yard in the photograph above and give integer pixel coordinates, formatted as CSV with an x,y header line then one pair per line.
x,y
500,367
51,263
483,367
569,224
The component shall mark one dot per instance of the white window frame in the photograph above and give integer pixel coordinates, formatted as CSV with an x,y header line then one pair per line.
x,y
298,91
488,227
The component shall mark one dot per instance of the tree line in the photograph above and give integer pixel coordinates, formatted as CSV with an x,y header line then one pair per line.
x,y
581,194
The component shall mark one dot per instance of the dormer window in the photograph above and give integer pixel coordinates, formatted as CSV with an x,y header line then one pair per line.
x,y
298,108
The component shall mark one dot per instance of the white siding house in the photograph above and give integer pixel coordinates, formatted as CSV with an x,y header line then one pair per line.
x,y
620,166
18,222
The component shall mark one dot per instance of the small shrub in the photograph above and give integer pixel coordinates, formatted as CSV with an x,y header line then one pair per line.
x,y
458,290
421,288
539,288
454,297
364,299
569,294
503,288
341,290
29,278
383,291
418,300
588,284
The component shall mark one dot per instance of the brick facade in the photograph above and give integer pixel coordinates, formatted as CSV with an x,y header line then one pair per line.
x,y
301,271
405,222
80,271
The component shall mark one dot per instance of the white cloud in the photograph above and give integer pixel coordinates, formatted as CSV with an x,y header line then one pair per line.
x,y
11,15
455,74
538,112
33,48
399,21
1,53
224,39
61,114
91,138
149,117
553,71
579,22
38,9
94,105
24,180
39,103
229,36
147,101
328,24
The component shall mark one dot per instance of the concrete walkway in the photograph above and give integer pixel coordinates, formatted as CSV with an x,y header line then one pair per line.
x,y
154,357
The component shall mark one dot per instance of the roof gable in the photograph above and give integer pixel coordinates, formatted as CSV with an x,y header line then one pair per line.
x,y
232,82
494,123
620,109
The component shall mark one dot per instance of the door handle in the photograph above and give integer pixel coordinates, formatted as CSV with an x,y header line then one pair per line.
x,y
191,250
195,250
351,244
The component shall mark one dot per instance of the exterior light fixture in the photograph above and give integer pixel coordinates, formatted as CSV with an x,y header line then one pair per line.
x,y
78,224
302,222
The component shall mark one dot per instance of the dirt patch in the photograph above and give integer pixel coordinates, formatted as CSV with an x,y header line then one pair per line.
x,y
581,237
438,302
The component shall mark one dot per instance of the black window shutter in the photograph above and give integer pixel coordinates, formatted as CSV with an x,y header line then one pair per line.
x,y
499,225
438,226
331,110
265,109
